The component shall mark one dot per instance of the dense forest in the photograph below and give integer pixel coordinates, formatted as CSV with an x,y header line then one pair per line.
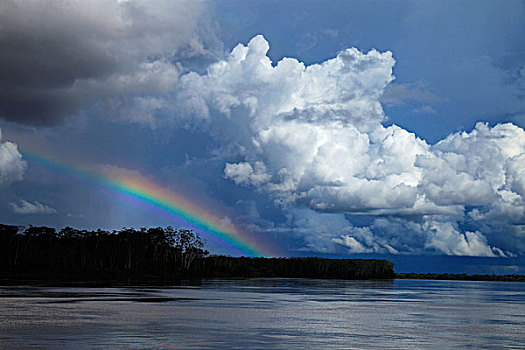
x,y
222,266
153,254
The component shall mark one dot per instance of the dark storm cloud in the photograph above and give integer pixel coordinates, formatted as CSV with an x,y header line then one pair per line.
x,y
57,56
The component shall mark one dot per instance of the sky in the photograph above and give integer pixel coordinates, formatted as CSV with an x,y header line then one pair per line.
x,y
390,129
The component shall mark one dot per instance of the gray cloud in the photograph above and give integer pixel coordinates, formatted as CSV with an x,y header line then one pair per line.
x,y
58,57
399,94
27,208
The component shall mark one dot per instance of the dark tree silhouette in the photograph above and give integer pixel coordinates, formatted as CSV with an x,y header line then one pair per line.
x,y
123,253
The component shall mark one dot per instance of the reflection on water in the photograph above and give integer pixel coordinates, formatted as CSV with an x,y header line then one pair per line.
x,y
268,314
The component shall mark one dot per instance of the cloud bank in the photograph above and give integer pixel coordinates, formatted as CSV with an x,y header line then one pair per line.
x,y
60,56
313,137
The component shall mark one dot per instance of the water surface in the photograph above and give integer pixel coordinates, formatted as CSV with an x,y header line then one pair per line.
x,y
268,314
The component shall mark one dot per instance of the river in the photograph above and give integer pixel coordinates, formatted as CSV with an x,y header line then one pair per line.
x,y
268,314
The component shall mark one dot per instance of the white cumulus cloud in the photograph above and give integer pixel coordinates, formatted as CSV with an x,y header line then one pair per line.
x,y
12,166
313,137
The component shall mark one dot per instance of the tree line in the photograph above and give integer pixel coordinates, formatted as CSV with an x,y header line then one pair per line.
x,y
151,254
309,267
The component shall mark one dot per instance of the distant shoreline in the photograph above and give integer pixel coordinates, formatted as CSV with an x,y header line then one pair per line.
x,y
460,277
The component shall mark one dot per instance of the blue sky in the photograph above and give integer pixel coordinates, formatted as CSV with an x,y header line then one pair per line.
x,y
410,146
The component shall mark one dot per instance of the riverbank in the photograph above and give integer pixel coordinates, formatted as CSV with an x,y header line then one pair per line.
x,y
211,267
60,280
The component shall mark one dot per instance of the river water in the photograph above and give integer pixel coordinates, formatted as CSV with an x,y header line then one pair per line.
x,y
268,314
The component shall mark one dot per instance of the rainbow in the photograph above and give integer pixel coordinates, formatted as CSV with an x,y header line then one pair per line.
x,y
145,192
